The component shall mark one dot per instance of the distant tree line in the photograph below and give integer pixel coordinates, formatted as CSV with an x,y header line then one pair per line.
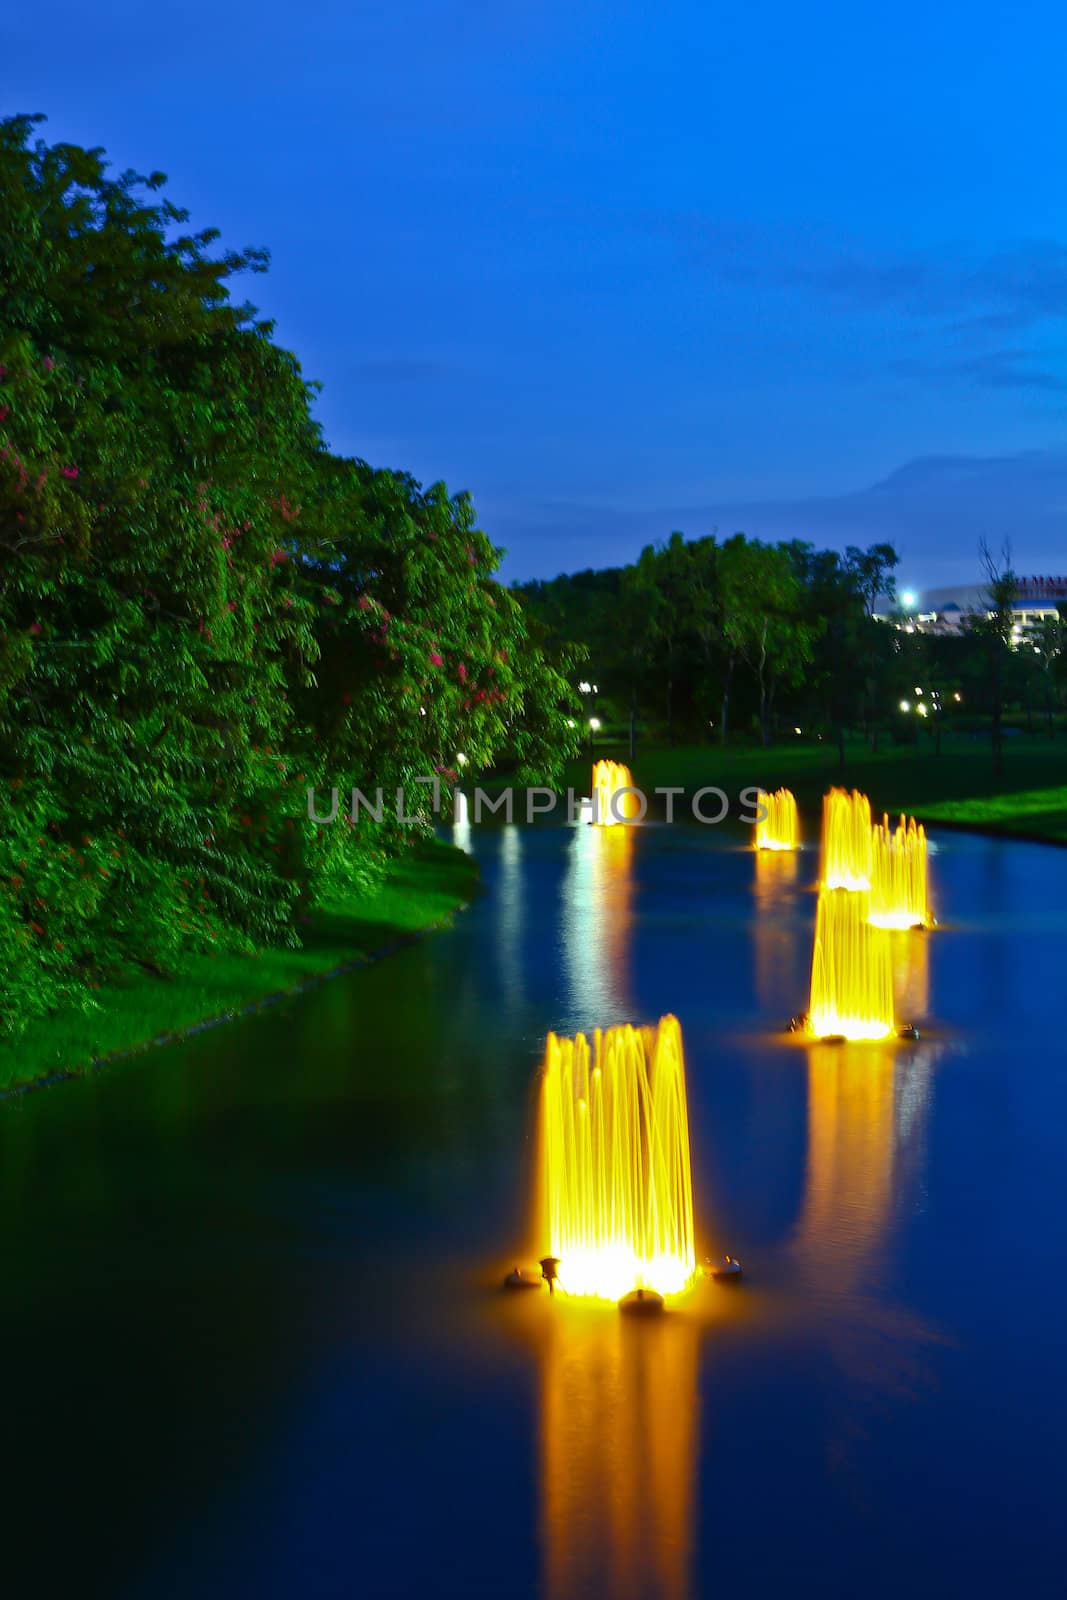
x,y
715,638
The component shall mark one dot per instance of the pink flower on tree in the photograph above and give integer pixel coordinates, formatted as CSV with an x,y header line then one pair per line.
x,y
69,472
436,660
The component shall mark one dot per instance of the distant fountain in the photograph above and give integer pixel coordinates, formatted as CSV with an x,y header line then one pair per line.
x,y
610,804
780,828
617,1188
846,840
461,822
899,894
851,970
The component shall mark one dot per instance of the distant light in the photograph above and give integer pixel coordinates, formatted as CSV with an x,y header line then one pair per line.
x,y
957,697
905,705
917,689
907,599
797,730
594,723
596,688
461,758
921,710
585,688
571,722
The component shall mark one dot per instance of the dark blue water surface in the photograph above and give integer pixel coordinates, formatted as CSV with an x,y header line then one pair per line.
x,y
252,1343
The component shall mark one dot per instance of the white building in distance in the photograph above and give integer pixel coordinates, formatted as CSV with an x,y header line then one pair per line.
x,y
952,610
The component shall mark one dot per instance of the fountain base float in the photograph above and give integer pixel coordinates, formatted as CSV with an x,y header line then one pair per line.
x,y
523,1278
801,1023
641,1303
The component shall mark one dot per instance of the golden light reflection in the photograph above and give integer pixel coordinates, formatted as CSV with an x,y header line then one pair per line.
x,y
780,828
846,840
850,1151
610,805
597,922
616,1181
867,1114
773,934
899,893
619,1431
911,974
851,971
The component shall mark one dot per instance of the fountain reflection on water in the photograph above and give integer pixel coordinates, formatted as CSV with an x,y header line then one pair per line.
x,y
619,1430
775,926
597,924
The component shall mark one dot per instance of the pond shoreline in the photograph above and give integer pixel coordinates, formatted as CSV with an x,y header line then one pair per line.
x,y
444,894
179,1035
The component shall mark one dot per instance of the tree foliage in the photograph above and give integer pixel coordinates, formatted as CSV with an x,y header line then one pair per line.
x,y
202,611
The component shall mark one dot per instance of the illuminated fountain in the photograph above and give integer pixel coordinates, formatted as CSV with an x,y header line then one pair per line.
x,y
846,840
617,1189
899,897
780,828
461,822
851,971
610,805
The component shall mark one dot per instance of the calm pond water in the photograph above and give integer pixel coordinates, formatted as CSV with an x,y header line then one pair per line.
x,y
251,1337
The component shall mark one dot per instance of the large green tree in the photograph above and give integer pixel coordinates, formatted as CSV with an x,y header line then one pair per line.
x,y
202,612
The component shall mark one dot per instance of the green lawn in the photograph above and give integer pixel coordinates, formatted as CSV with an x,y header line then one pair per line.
x,y
422,891
958,787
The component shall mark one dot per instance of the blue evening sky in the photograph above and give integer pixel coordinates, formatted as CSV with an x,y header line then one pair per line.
x,y
619,267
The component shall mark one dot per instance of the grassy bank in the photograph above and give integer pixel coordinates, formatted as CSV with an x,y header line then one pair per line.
x,y
421,891
957,787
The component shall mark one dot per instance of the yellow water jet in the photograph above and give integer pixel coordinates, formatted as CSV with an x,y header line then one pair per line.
x,y
899,894
780,828
846,840
610,804
851,970
617,1187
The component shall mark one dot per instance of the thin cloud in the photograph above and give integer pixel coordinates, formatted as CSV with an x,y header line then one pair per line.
x,y
993,369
